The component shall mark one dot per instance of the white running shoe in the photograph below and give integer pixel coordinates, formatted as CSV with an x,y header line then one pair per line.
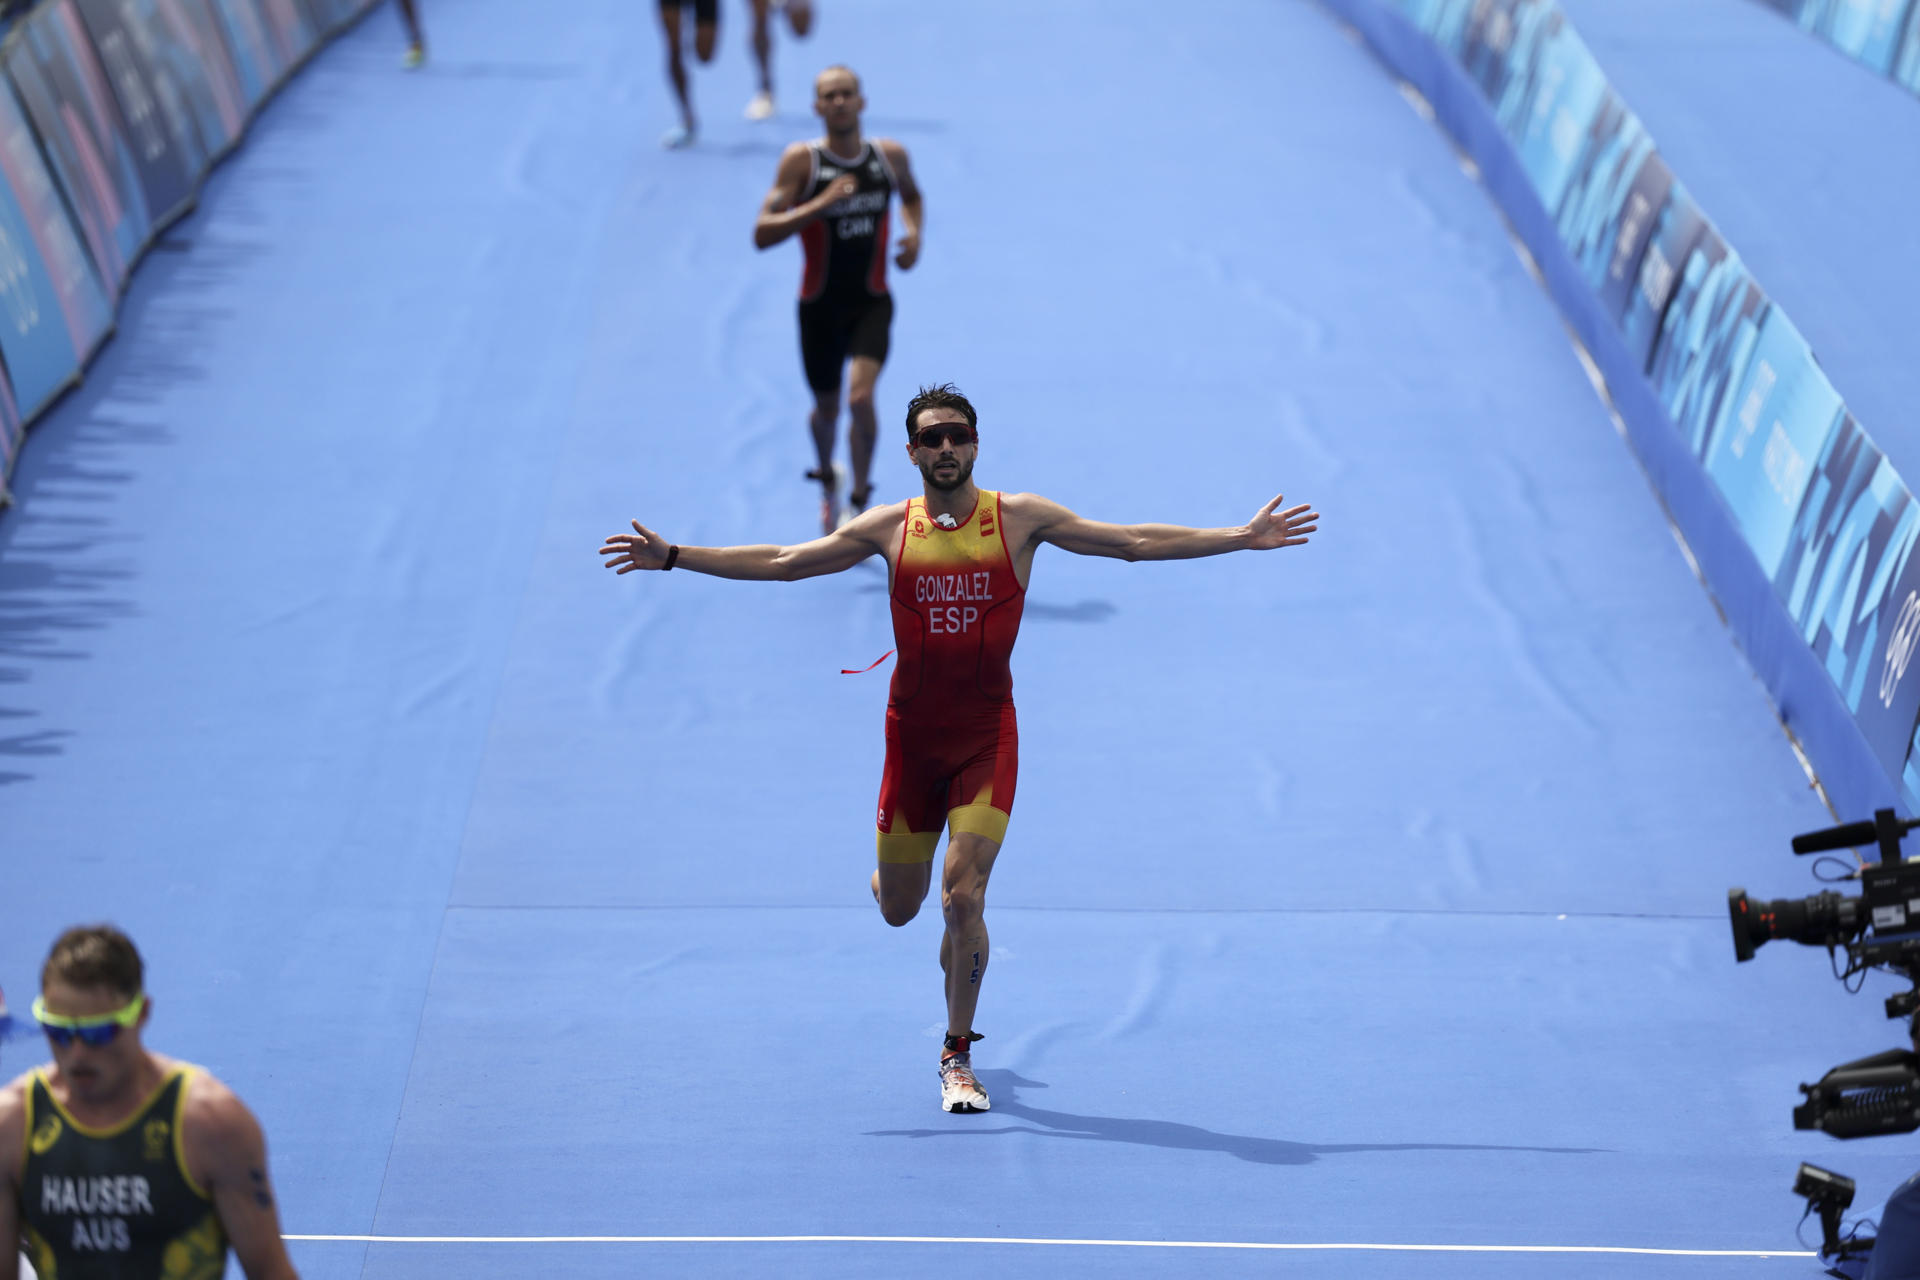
x,y
959,1091
761,108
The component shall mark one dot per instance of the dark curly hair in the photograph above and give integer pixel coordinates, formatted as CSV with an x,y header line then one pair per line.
x,y
944,396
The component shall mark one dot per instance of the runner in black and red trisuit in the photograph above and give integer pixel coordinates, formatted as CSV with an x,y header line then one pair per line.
x,y
836,194
706,31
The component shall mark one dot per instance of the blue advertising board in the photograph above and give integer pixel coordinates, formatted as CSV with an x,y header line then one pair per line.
x,y
1607,215
1906,63
1489,39
1554,92
1868,30
255,62
11,428
1675,229
1851,584
1449,22
55,310
194,30
1774,425
290,29
160,89
125,100
78,124
1710,328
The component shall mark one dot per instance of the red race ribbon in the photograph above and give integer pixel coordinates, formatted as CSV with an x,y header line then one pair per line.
x,y
870,666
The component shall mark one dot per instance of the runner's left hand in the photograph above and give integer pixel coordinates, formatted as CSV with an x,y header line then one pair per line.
x,y
909,252
1271,528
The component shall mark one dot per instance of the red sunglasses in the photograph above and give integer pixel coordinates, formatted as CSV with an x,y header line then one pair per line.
x,y
933,437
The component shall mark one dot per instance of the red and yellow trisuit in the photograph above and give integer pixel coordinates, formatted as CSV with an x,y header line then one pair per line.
x,y
953,747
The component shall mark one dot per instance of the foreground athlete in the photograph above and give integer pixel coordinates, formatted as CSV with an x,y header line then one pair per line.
x,y
119,1162
958,560
836,194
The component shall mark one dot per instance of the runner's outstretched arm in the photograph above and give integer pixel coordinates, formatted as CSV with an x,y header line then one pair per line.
x,y
1269,528
849,545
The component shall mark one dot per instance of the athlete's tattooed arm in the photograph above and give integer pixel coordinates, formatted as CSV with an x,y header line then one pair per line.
x,y
227,1154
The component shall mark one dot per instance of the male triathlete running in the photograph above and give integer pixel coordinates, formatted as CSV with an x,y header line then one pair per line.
x,y
958,560
800,20
416,38
119,1162
836,194
706,33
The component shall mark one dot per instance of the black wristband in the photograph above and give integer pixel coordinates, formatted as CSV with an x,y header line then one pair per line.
x,y
673,553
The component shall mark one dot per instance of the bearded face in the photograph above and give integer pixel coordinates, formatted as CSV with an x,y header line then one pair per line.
x,y
946,472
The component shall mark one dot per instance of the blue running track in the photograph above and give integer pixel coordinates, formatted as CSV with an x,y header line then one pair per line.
x,y
1366,894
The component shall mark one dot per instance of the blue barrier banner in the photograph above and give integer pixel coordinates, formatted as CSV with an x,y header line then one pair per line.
x,y
159,88
56,309
1774,425
1868,30
1607,215
11,428
290,30
1850,581
1489,39
127,101
79,126
222,110
255,62
1710,328
1449,22
1806,537
330,15
1554,92
1906,64
1679,224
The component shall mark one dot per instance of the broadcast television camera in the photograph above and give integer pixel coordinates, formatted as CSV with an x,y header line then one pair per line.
x,y
1879,929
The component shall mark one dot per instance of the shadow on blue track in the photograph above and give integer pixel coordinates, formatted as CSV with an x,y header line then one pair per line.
x,y
1084,611
1004,1088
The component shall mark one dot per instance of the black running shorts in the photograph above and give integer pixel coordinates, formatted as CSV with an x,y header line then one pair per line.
x,y
834,330
705,12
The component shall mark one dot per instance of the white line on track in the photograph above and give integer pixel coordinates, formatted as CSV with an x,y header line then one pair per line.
x,y
1094,1244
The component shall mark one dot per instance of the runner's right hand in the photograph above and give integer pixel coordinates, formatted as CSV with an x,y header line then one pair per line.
x,y
641,549
839,189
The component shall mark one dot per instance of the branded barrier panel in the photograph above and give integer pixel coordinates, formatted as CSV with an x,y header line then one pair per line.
x,y
1612,206
78,125
290,30
255,62
1906,63
162,88
113,113
167,165
1802,529
1677,226
194,47
155,101
56,311
11,431
1882,34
